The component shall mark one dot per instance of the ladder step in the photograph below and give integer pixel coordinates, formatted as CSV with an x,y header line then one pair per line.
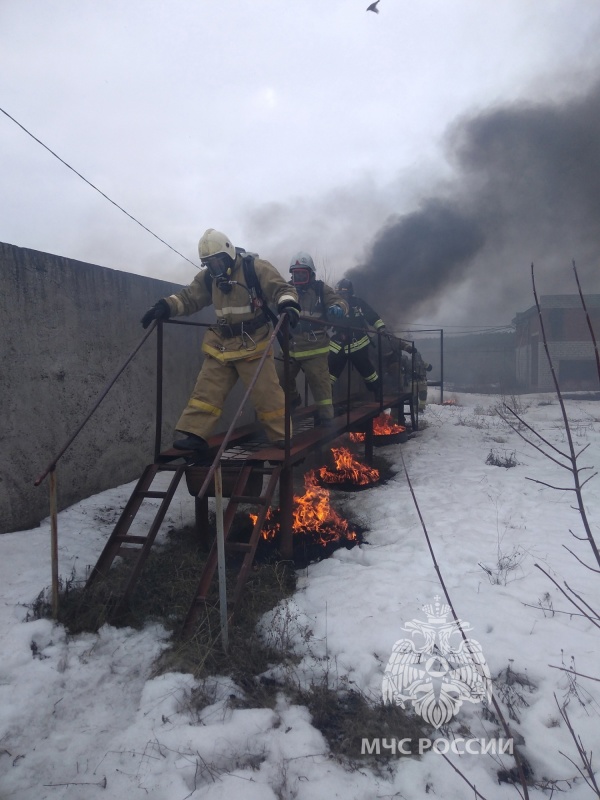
x,y
239,547
151,494
253,501
128,552
131,539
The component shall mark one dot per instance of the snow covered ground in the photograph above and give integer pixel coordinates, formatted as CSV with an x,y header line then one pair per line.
x,y
87,716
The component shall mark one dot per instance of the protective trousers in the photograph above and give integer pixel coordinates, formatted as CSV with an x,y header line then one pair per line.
x,y
316,369
214,383
359,358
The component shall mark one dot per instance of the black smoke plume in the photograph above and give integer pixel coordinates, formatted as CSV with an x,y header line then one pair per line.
x,y
526,190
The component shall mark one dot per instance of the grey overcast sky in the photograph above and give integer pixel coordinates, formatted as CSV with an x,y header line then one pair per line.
x,y
432,151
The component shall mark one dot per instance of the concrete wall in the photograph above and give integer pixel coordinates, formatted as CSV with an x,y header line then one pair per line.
x,y
67,327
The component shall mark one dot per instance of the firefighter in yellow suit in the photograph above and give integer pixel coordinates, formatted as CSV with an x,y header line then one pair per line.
x,y
233,346
309,345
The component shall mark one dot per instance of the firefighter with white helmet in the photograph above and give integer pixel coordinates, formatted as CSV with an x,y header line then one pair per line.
x,y
309,345
239,286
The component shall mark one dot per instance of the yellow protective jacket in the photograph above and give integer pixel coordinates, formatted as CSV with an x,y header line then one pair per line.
x,y
234,308
310,340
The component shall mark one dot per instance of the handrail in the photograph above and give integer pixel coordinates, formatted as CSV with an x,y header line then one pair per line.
x,y
52,465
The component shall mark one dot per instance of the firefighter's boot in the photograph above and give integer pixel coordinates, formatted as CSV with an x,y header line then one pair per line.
x,y
191,442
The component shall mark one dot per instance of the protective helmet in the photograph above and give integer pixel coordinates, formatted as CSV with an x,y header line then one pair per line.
x,y
345,285
214,243
302,268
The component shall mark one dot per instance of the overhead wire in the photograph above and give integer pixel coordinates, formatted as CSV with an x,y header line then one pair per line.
x,y
83,178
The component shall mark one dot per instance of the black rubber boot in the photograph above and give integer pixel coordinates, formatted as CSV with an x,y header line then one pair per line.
x,y
191,442
327,422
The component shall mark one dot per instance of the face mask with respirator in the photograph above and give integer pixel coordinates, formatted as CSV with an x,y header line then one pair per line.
x,y
301,276
219,267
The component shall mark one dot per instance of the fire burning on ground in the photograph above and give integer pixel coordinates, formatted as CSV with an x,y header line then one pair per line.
x,y
383,425
313,517
347,470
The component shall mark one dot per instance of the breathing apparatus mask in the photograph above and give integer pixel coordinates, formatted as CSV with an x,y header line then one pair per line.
x,y
301,276
220,267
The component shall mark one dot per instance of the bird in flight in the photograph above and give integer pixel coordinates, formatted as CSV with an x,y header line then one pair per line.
x,y
373,7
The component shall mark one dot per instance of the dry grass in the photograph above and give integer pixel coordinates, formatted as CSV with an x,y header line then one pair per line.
x,y
164,593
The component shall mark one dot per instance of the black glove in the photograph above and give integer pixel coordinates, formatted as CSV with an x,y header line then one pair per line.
x,y
429,367
293,312
410,349
160,310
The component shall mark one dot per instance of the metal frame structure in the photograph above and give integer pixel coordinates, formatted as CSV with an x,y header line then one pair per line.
x,y
277,464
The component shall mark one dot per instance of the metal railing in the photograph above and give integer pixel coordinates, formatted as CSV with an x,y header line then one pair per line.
x,y
50,469
282,327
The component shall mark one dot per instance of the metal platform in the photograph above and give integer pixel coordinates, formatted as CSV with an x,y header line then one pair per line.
x,y
246,461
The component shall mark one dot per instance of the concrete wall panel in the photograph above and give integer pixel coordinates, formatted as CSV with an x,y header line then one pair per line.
x,y
67,327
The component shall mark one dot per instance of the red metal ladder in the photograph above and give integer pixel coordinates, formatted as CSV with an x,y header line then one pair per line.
x,y
135,549
198,604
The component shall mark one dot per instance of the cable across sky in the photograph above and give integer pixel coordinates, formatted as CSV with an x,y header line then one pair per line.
x,y
89,183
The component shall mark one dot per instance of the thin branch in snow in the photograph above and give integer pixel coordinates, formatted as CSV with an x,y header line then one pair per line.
x,y
587,566
570,599
463,776
587,605
572,672
589,322
566,424
535,446
536,433
587,773
550,486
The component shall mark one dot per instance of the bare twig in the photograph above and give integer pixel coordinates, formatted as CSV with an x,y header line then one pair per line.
x,y
101,784
587,773
464,777
587,605
550,486
589,322
572,672
570,599
587,566
536,433
554,610
567,428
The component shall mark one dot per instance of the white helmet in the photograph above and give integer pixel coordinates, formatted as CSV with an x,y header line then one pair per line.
x,y
302,259
215,243
303,270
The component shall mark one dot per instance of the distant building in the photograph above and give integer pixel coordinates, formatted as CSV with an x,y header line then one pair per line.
x,y
569,343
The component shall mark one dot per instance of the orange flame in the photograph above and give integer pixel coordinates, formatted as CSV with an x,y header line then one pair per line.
x,y
382,426
348,469
312,514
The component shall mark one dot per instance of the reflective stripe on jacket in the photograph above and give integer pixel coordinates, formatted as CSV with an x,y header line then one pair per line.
x,y
313,340
361,315
233,308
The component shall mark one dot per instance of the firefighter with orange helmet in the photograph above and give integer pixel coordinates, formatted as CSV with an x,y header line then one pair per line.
x,y
309,345
233,346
